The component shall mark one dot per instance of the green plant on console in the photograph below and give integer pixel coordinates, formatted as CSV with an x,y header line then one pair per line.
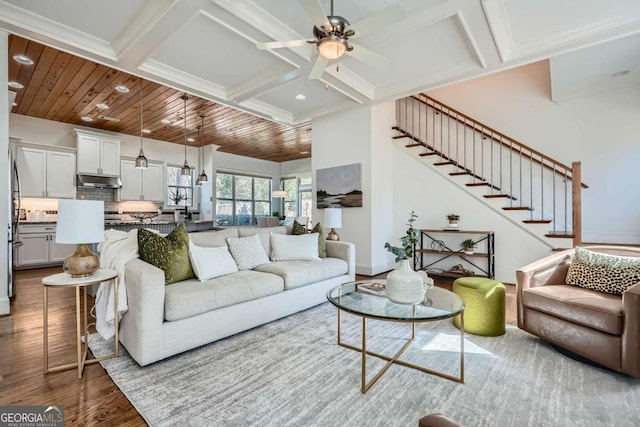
x,y
275,213
453,217
468,244
408,241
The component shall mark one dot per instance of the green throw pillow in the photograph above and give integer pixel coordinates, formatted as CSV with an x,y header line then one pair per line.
x,y
299,229
170,254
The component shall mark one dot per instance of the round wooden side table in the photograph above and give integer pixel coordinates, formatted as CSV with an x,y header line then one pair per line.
x,y
64,280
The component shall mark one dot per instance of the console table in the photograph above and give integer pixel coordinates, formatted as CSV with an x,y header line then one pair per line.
x,y
437,245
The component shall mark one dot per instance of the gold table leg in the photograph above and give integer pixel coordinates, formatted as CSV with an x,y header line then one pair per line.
x,y
81,332
364,386
45,317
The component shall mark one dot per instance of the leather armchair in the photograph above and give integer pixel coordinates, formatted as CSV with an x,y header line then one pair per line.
x,y
598,326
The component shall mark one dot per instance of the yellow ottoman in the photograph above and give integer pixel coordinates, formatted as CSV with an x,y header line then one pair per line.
x,y
484,301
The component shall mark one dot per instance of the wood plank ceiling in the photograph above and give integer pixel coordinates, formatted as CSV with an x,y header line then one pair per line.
x,y
64,88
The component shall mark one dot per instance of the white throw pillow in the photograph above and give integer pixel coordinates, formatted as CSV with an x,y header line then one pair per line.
x,y
286,247
248,252
208,263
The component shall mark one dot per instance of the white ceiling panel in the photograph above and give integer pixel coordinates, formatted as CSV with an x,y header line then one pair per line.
x,y
291,12
610,66
105,20
531,21
317,97
209,50
414,54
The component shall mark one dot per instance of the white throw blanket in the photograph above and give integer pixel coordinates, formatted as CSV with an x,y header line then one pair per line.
x,y
118,248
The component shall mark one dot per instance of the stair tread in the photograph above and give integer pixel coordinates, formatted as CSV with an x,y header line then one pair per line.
x,y
459,173
496,196
400,136
476,184
560,236
417,144
446,162
537,221
431,153
516,208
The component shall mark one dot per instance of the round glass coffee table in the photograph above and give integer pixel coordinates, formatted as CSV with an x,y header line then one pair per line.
x,y
365,299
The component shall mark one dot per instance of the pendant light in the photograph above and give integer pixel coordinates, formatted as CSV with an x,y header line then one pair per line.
x,y
202,178
186,169
141,160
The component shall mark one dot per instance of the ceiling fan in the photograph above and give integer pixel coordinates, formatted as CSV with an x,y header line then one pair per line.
x,y
333,34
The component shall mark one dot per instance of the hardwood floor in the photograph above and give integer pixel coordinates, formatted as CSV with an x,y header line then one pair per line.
x,y
92,400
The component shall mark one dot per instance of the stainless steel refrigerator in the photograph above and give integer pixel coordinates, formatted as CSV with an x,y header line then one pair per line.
x,y
13,227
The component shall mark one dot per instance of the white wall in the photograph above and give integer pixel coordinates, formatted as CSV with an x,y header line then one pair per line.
x,y
432,196
361,136
344,139
601,131
4,175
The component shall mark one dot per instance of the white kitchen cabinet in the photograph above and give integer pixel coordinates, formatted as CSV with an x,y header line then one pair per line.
x,y
142,184
46,173
39,247
98,154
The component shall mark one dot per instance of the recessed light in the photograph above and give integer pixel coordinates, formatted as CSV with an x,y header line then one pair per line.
x,y
165,121
122,89
620,73
146,131
300,96
190,139
102,106
15,104
16,85
86,119
304,152
23,59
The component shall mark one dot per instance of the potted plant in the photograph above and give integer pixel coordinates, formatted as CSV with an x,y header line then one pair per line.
x,y
408,241
404,285
453,219
276,214
468,246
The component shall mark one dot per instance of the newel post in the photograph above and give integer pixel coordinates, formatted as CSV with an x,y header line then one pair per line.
x,y
576,202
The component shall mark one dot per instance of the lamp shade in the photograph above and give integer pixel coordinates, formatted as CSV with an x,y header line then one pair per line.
x,y
80,221
333,218
279,193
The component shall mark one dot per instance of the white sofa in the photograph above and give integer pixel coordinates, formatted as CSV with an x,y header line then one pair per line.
x,y
166,320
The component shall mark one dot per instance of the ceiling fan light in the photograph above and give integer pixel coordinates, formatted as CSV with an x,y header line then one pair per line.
x,y
332,47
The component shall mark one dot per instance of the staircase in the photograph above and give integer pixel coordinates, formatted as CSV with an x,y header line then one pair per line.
x,y
538,193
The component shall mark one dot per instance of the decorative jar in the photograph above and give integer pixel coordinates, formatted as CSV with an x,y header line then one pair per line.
x,y
406,286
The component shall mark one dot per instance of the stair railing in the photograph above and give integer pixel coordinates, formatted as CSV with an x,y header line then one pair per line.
x,y
527,178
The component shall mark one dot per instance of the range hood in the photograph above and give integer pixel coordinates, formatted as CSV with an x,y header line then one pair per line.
x,y
95,181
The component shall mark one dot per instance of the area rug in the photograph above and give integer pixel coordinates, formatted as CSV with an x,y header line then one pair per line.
x,y
292,373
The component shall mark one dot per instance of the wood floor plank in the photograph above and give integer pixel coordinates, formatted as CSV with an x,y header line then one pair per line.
x,y
92,400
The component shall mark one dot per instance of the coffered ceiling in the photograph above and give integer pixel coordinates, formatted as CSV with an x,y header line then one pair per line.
x,y
207,48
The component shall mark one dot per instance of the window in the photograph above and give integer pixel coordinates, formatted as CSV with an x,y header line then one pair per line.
x,y
305,197
290,203
241,198
179,187
299,198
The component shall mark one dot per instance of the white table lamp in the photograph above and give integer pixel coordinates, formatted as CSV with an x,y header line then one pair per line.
x,y
333,220
80,222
